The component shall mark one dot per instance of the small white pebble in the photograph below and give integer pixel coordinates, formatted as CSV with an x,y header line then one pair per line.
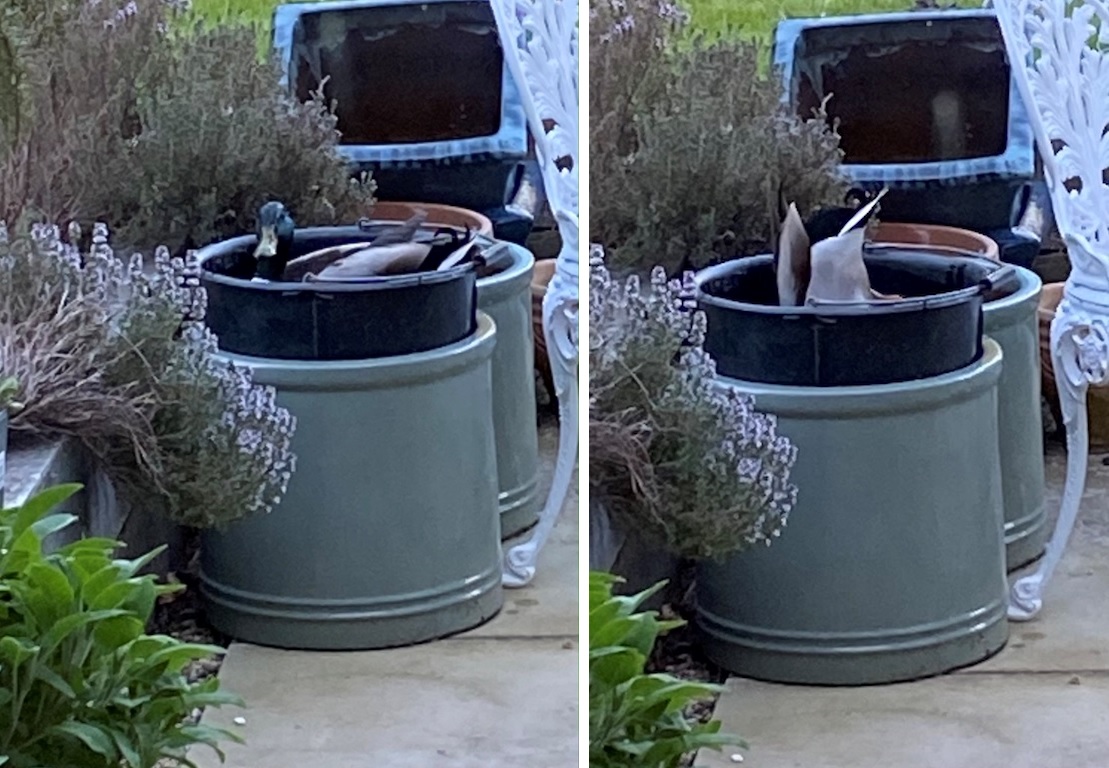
x,y
737,758
240,720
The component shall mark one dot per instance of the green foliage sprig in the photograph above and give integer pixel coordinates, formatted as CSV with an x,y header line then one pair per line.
x,y
81,683
639,720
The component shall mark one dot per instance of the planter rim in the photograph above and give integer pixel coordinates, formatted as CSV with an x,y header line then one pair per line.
x,y
876,399
484,224
508,282
385,371
887,231
914,304
1003,312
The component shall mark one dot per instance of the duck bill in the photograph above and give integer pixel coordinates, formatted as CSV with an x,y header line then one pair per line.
x,y
267,244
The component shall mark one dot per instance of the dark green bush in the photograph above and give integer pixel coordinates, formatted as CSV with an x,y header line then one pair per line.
x,y
689,144
81,683
171,133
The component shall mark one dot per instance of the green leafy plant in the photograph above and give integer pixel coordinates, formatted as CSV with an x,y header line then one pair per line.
x,y
81,684
638,720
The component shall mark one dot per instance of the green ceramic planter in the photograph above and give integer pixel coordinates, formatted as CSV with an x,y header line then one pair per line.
x,y
1012,322
389,532
892,566
506,297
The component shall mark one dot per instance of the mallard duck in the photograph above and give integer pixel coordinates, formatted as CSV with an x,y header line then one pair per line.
x,y
821,260
395,252
275,241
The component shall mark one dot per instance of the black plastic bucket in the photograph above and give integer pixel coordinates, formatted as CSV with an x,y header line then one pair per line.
x,y
348,320
936,329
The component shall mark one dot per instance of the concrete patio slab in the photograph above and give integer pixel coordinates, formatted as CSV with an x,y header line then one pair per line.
x,y
956,721
1043,701
455,703
1072,632
548,607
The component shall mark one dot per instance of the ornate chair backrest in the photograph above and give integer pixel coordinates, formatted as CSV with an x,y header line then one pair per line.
x,y
1059,51
540,42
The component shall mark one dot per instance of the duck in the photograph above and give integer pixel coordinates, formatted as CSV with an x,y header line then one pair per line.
x,y
275,241
396,252
820,261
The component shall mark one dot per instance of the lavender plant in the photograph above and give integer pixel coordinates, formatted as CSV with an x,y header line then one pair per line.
x,y
119,358
689,143
134,113
694,465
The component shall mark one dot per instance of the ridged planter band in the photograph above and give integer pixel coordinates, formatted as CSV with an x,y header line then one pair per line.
x,y
389,532
892,566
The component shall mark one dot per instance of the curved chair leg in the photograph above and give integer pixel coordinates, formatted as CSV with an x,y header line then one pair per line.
x,y
559,328
1026,595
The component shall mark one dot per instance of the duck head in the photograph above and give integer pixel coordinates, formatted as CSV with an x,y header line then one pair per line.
x,y
275,240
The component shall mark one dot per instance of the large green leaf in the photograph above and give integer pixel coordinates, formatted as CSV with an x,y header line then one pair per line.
x,y
66,626
54,680
15,651
38,506
52,593
92,736
130,567
96,583
118,631
52,524
130,754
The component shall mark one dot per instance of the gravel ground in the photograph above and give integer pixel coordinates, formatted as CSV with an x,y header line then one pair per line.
x,y
678,653
181,615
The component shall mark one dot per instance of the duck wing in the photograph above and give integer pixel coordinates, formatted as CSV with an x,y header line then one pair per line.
x,y
838,270
376,261
863,215
405,233
793,260
316,261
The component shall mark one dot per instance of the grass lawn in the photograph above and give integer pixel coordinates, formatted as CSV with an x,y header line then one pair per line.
x,y
753,19
756,19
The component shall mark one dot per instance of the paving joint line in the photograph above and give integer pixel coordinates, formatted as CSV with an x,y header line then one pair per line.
x,y
1031,672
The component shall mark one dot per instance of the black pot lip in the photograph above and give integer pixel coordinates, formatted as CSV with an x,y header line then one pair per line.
x,y
919,304
344,285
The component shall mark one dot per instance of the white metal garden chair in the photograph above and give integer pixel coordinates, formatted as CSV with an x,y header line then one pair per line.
x,y
1059,50
540,41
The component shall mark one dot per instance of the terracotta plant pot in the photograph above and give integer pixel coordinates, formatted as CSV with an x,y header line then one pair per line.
x,y
951,239
541,278
437,215
1097,402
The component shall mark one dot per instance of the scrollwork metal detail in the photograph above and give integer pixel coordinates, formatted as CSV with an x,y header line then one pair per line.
x,y
1058,51
540,41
